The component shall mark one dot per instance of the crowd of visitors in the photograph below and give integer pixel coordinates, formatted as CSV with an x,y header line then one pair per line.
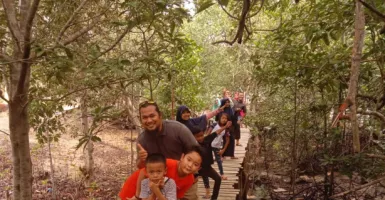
x,y
172,155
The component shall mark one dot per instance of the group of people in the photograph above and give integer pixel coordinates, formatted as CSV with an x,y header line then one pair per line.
x,y
173,154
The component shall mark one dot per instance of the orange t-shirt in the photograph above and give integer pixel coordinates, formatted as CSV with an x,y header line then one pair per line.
x,y
182,184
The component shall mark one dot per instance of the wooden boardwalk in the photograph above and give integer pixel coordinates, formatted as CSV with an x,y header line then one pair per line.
x,y
230,167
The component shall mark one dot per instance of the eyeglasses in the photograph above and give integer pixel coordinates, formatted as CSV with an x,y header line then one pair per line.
x,y
146,103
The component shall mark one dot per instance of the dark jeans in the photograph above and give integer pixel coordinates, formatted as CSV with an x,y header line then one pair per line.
x,y
210,172
219,160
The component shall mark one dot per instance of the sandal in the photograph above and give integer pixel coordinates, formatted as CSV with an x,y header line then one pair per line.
x,y
224,177
234,157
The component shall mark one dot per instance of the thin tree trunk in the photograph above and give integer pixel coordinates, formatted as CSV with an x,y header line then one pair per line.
x,y
89,161
172,98
131,111
294,142
53,182
359,36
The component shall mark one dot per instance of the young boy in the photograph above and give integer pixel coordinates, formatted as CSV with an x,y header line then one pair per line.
x,y
157,186
180,171
207,170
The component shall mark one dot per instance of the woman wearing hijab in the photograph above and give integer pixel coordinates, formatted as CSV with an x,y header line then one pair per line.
x,y
183,116
226,105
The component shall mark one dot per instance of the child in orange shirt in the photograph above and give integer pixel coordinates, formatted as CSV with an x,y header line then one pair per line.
x,y
180,171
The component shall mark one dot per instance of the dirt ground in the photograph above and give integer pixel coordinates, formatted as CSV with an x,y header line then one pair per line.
x,y
112,165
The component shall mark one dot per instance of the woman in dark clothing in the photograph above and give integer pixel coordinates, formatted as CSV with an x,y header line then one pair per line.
x,y
183,116
225,103
206,168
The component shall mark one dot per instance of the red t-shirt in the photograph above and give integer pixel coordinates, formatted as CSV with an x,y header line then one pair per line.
x,y
182,184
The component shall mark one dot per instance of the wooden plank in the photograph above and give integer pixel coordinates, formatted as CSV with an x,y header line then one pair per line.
x,y
230,168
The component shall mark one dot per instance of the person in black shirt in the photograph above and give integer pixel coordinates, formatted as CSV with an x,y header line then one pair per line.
x,y
207,159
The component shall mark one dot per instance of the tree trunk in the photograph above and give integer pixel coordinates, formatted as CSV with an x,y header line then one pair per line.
x,y
359,35
294,141
19,135
89,159
52,169
131,111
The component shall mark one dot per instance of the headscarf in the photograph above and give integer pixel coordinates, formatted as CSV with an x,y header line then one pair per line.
x,y
201,121
228,110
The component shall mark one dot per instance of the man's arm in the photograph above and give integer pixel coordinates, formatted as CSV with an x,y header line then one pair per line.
x,y
142,155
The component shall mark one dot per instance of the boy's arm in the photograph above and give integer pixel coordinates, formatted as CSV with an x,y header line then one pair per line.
x,y
170,190
144,190
156,191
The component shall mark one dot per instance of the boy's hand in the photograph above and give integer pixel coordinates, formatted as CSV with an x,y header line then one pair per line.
x,y
142,153
155,186
221,152
222,108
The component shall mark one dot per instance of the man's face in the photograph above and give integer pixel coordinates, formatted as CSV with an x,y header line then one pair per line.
x,y
186,115
240,97
150,119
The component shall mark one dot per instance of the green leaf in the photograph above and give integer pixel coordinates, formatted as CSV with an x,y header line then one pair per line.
x,y
204,6
96,138
82,141
125,62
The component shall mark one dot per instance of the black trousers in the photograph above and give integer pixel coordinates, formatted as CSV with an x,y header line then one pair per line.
x,y
210,172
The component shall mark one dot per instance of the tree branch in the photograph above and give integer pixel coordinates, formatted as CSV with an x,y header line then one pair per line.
x,y
86,88
6,57
4,132
68,23
228,14
9,9
128,28
27,47
375,156
373,113
371,8
367,97
78,34
2,97
259,9
241,25
357,188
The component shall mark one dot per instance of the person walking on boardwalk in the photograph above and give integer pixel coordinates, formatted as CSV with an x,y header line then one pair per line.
x,y
240,113
229,152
